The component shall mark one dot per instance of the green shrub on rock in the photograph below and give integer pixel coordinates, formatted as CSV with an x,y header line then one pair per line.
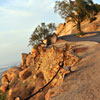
x,y
3,96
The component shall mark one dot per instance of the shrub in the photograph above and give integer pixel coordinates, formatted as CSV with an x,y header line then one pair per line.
x,y
3,96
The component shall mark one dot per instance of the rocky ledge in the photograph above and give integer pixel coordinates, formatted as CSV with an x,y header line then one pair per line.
x,y
37,69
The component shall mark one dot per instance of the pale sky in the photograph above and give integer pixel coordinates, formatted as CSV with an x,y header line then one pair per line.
x,y
18,18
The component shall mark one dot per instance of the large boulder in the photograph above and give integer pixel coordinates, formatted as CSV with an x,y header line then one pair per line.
x,y
28,59
23,60
25,73
65,29
60,27
54,39
10,75
4,87
91,27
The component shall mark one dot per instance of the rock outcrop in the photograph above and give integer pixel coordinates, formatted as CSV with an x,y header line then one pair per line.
x,y
72,82
84,83
69,27
36,69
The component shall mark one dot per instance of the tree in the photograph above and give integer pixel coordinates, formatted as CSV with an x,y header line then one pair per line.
x,y
41,33
96,8
77,10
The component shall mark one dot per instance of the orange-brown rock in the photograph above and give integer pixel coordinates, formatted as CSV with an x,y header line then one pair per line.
x,y
45,41
10,75
29,59
70,58
39,69
65,29
83,84
23,60
91,27
60,27
34,52
4,88
25,73
54,39
70,28
48,61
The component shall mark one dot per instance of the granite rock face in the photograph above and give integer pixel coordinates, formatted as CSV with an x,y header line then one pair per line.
x,y
84,83
69,27
37,69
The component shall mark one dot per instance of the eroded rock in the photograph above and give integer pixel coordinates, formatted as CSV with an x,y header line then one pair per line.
x,y
25,73
10,75
4,87
23,60
38,70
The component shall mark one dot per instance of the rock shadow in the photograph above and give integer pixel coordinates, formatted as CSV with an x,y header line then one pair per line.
x,y
74,38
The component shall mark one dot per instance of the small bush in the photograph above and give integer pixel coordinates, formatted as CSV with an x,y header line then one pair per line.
x,y
3,96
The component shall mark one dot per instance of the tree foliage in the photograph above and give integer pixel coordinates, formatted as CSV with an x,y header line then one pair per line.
x,y
96,8
77,10
42,32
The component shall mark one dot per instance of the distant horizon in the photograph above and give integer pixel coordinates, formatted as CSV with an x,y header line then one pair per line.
x,y
18,20
11,64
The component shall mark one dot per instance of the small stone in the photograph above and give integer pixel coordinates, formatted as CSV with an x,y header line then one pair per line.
x,y
17,98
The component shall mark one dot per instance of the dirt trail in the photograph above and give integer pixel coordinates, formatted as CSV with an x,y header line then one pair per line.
x,y
74,38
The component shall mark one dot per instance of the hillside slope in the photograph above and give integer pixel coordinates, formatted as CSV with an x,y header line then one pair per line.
x,y
39,66
69,27
84,82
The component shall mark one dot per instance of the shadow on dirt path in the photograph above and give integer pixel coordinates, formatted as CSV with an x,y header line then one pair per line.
x,y
74,38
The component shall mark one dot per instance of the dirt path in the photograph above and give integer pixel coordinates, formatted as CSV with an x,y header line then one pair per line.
x,y
74,38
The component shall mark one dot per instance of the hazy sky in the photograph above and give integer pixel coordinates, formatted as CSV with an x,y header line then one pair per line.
x,y
18,18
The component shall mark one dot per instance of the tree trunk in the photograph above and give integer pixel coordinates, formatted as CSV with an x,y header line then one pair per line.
x,y
79,28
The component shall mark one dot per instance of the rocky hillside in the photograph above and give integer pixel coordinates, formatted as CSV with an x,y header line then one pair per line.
x,y
84,82
37,68
70,28
78,79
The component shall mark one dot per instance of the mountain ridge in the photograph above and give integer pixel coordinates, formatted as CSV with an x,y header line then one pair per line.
x,y
39,66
